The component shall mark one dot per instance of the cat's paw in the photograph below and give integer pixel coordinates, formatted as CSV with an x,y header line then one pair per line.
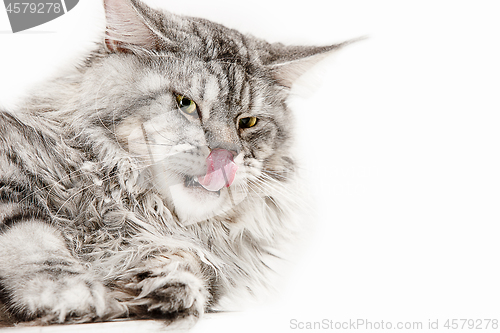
x,y
168,294
61,295
40,281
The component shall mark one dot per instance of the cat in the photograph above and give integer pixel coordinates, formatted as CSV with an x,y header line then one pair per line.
x,y
153,180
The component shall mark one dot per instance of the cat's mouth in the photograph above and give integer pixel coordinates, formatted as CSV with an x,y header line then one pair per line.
x,y
192,182
220,172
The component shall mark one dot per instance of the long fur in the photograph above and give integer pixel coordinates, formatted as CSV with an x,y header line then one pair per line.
x,y
95,221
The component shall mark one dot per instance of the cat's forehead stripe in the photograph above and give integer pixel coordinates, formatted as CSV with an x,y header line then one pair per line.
x,y
237,77
246,94
228,86
196,85
210,96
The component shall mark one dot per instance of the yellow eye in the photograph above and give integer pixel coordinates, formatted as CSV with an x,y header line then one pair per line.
x,y
187,105
248,122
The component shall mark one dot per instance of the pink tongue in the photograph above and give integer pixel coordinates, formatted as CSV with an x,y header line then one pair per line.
x,y
220,170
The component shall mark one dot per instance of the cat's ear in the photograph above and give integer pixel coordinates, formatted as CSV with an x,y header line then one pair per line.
x,y
290,62
127,27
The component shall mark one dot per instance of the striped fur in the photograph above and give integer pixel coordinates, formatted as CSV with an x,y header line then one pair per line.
x,y
96,222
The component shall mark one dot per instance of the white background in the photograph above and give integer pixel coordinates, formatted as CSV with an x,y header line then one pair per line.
x,y
400,143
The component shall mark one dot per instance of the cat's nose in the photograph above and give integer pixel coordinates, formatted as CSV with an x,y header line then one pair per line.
x,y
219,135
229,146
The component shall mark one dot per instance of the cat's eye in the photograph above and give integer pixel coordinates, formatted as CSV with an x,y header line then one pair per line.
x,y
187,105
248,122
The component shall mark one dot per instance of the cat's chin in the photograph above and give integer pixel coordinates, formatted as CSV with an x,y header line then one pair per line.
x,y
191,202
195,204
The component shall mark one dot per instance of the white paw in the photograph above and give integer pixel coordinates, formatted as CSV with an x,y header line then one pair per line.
x,y
58,295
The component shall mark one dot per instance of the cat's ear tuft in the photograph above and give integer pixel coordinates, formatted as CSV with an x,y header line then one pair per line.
x,y
291,62
127,28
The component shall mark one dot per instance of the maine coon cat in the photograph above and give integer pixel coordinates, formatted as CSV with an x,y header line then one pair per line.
x,y
152,180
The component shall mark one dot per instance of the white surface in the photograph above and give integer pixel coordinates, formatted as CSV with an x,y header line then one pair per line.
x,y
401,143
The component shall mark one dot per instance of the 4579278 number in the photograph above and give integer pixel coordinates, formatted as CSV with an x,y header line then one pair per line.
x,y
471,324
32,7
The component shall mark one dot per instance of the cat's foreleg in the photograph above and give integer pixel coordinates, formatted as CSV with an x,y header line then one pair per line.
x,y
42,281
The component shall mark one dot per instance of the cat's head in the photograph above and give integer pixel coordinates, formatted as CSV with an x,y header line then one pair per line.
x,y
203,106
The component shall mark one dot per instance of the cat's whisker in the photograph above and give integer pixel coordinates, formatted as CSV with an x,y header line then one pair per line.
x,y
266,187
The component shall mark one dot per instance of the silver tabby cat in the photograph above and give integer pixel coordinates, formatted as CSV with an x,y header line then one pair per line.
x,y
152,180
